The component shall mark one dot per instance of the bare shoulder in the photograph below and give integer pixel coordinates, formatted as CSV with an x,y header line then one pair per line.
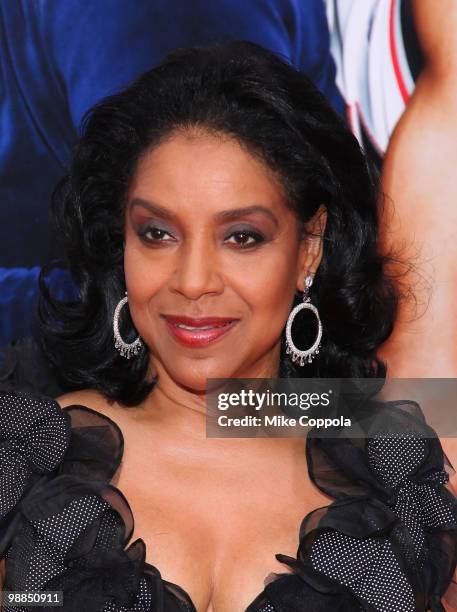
x,y
86,397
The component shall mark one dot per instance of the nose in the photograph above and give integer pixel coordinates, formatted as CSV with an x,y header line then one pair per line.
x,y
197,271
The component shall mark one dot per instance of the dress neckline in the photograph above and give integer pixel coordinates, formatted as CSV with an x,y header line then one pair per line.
x,y
113,424
387,543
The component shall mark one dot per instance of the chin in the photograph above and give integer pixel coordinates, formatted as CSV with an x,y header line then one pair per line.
x,y
195,378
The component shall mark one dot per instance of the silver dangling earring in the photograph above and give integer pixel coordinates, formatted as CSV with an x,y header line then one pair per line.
x,y
308,355
124,348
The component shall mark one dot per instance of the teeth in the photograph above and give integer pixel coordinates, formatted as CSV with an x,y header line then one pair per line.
x,y
182,326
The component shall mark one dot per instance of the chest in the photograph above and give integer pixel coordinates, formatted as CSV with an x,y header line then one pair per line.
x,y
212,532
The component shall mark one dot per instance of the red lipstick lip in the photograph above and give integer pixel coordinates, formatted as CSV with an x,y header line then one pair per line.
x,y
198,322
197,338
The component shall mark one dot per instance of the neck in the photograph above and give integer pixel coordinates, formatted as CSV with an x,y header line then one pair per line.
x,y
179,414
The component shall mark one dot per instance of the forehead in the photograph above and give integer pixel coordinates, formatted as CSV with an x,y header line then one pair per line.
x,y
207,170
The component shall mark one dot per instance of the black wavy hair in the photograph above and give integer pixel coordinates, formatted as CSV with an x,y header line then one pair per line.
x,y
244,91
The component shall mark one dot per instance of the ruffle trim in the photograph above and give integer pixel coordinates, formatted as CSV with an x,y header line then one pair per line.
x,y
70,527
390,536
387,543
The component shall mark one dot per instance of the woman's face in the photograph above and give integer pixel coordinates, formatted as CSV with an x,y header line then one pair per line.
x,y
209,234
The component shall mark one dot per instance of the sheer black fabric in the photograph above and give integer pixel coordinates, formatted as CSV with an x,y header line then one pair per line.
x,y
69,530
387,543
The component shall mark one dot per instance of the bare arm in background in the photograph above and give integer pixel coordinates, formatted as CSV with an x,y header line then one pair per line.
x,y
420,182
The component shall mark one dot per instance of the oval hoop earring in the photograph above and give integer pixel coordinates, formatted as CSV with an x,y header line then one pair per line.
x,y
126,349
309,354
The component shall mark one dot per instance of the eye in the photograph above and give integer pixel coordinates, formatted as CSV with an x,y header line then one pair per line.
x,y
245,238
155,234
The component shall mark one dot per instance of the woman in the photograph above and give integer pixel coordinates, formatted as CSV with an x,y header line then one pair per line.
x,y
202,205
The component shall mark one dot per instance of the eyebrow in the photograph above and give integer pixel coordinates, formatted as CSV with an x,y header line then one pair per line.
x,y
223,215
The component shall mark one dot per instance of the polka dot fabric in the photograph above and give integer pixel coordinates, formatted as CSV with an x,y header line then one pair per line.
x,y
34,438
70,528
387,543
390,536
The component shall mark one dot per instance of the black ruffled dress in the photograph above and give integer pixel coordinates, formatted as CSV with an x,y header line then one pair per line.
x,y
387,543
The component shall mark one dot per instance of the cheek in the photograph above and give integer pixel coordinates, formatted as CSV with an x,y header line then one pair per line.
x,y
134,271
276,299
142,276
268,286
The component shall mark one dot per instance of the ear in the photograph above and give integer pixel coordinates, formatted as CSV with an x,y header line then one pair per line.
x,y
311,246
